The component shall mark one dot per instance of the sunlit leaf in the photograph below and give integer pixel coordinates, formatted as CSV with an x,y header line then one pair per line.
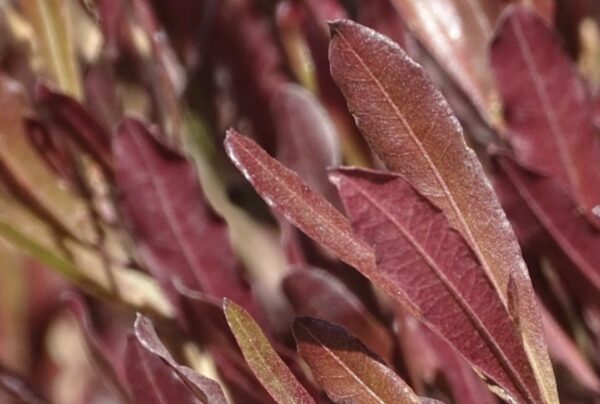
x,y
410,126
345,368
268,367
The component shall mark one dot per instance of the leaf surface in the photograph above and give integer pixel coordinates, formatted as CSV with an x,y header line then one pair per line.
x,y
555,210
345,368
422,259
332,301
285,192
206,390
268,367
179,236
547,107
411,128
307,139
457,33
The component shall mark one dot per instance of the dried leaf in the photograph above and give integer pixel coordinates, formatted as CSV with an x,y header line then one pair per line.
x,y
54,35
424,261
332,301
345,368
410,126
268,367
178,235
547,107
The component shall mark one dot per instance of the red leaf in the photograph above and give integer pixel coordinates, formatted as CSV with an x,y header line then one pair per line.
x,y
307,140
268,367
103,360
331,300
154,376
457,33
565,352
345,368
422,260
178,235
285,192
546,106
556,212
410,126
79,124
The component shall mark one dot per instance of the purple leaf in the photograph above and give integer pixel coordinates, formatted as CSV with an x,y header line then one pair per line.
x,y
79,124
206,390
556,212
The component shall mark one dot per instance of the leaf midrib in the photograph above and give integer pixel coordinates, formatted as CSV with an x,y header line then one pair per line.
x,y
480,327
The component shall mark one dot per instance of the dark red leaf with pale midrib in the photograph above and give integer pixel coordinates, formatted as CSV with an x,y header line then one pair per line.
x,y
332,301
410,126
177,233
547,108
553,207
421,257
345,368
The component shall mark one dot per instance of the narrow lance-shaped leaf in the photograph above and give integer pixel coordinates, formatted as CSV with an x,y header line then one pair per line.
x,y
178,234
153,380
268,367
206,390
345,368
331,300
77,122
307,140
410,126
424,260
285,192
54,33
457,33
555,210
102,359
547,107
